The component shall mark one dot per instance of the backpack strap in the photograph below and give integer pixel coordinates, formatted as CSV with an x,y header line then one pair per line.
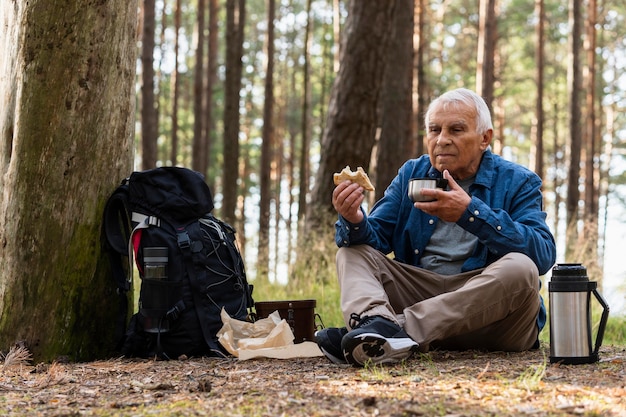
x,y
142,221
116,226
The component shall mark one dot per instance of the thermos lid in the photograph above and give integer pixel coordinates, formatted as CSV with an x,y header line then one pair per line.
x,y
570,278
569,272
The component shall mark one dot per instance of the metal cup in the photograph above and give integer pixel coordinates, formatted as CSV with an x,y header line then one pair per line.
x,y
417,184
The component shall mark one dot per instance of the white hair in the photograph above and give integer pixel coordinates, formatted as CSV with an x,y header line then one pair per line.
x,y
465,97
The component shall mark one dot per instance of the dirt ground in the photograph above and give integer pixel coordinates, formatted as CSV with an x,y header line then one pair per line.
x,y
434,384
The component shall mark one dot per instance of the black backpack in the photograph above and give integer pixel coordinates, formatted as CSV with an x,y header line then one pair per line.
x,y
188,262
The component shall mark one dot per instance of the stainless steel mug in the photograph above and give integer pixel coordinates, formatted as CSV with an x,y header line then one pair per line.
x,y
416,184
570,315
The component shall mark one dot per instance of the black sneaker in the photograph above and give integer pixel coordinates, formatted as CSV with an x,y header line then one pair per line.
x,y
378,340
329,342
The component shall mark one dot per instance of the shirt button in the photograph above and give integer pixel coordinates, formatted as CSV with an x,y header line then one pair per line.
x,y
499,227
357,228
417,251
476,212
471,219
431,221
345,242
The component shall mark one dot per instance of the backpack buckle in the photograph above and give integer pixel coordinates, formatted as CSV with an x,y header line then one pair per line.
x,y
183,240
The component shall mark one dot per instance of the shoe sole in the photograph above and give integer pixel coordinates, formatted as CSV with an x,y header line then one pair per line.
x,y
378,349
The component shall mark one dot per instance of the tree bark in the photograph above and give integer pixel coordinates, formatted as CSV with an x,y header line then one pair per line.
x,y
574,80
396,143
267,150
487,39
350,132
305,121
175,84
211,84
590,232
420,99
536,160
67,124
199,145
235,18
149,119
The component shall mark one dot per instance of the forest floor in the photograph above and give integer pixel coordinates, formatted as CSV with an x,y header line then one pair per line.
x,y
433,384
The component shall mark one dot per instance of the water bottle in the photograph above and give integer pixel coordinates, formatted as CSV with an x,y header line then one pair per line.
x,y
155,263
155,299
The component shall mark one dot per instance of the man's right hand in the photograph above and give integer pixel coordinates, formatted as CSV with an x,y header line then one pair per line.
x,y
347,199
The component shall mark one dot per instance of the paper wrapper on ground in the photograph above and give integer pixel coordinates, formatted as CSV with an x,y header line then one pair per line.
x,y
270,338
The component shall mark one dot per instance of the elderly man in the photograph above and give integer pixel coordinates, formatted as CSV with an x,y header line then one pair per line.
x,y
465,267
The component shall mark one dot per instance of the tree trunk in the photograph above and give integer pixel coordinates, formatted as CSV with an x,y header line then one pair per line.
x,y
420,98
395,145
267,150
574,78
235,18
350,132
212,80
487,38
536,160
305,121
149,119
67,120
590,231
175,84
199,145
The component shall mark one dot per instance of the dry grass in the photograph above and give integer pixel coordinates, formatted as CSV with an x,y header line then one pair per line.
x,y
436,384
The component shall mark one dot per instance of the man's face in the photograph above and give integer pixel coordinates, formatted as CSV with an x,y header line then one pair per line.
x,y
453,142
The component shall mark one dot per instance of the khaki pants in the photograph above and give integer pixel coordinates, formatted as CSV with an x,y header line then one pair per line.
x,y
494,308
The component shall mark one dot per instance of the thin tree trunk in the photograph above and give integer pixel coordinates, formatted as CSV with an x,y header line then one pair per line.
x,y
175,86
235,20
305,121
211,84
336,35
420,97
536,160
574,85
487,38
591,221
199,157
267,149
149,122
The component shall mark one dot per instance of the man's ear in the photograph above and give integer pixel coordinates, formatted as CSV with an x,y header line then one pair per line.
x,y
486,140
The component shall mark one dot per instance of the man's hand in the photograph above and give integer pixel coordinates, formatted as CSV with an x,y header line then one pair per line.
x,y
347,199
449,205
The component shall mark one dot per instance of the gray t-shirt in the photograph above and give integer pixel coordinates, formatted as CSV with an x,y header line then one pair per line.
x,y
450,245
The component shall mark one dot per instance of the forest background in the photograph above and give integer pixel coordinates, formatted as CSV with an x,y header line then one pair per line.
x,y
268,99
552,73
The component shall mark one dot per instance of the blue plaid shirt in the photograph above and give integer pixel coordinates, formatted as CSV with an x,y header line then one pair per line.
x,y
506,214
